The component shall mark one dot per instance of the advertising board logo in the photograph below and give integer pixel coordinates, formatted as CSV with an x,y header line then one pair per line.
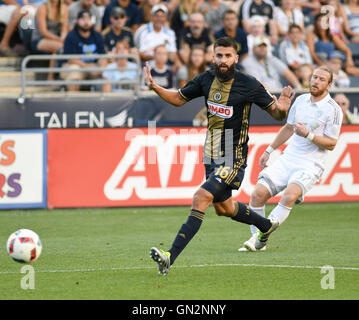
x,y
158,167
9,182
169,167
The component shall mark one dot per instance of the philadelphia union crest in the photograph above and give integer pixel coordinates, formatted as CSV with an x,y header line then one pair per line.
x,y
217,96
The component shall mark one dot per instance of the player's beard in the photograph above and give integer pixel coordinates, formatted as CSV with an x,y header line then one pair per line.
x,y
316,93
224,75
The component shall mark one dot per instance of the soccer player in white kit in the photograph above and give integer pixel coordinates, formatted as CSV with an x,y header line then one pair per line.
x,y
313,123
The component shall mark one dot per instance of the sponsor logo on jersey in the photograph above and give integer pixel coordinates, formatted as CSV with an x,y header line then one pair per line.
x,y
220,110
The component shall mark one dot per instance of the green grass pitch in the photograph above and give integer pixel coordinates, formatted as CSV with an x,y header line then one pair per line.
x,y
104,254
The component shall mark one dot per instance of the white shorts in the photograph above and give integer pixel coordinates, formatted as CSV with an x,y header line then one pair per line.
x,y
286,170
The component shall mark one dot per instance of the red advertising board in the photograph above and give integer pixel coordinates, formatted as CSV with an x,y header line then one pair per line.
x,y
162,166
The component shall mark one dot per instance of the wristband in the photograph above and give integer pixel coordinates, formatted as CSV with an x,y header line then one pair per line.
x,y
310,136
269,150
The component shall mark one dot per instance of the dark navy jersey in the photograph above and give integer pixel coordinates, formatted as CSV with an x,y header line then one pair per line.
x,y
228,110
111,39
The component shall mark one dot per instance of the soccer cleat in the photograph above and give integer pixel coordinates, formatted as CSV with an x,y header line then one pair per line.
x,y
262,237
162,258
249,245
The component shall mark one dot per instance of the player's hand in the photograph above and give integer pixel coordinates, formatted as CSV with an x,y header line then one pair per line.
x,y
263,160
285,100
300,129
148,77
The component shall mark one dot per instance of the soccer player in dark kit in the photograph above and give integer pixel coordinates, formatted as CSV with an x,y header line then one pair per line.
x,y
229,95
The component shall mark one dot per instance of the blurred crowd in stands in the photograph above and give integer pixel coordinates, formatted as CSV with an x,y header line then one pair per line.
x,y
279,42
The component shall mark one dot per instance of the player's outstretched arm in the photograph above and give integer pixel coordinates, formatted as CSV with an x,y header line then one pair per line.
x,y
170,96
280,107
282,136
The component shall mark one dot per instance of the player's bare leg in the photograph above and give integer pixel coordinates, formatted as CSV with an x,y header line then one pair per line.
x,y
281,212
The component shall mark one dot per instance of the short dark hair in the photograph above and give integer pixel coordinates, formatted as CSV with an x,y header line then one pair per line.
x,y
294,26
228,11
226,42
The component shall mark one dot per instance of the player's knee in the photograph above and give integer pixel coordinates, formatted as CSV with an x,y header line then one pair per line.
x,y
288,199
259,196
202,199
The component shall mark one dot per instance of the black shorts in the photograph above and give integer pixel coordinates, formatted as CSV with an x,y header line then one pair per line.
x,y
222,178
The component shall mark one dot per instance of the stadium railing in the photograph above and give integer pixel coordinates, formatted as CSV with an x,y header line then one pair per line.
x,y
64,57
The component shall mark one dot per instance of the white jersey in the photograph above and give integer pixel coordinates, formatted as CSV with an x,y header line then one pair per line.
x,y
147,39
323,117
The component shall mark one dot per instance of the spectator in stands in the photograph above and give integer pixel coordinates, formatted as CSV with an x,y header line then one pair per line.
x,y
311,8
322,45
268,69
161,73
337,19
257,29
129,72
340,78
117,31
303,73
288,14
23,16
213,11
351,13
134,17
320,42
196,65
348,116
101,6
231,29
195,34
83,39
145,7
154,33
7,9
294,51
79,5
263,8
50,29
180,16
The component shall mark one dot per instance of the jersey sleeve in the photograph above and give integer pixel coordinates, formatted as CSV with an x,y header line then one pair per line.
x,y
193,89
291,113
260,96
334,123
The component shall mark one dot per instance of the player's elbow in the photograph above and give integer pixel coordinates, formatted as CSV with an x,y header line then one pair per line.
x,y
177,103
331,145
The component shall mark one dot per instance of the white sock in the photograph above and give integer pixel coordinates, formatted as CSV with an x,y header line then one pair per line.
x,y
279,213
259,210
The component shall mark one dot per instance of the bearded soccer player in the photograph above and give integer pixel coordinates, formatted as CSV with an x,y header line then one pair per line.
x,y
229,95
314,121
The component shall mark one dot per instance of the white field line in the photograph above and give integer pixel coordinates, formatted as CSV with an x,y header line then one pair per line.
x,y
190,266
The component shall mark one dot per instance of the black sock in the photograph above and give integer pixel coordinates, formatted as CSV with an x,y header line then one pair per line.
x,y
248,216
186,233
